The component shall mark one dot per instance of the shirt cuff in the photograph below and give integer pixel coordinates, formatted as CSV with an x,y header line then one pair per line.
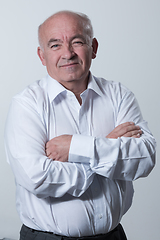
x,y
81,149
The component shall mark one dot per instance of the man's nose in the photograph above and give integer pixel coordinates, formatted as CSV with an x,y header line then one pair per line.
x,y
68,52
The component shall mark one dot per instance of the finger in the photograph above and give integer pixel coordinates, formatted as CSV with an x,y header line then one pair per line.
x,y
127,130
133,133
52,156
50,152
124,126
120,130
136,136
47,152
46,147
132,130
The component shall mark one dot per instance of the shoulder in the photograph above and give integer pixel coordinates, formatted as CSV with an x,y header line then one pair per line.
x,y
33,98
33,91
113,89
110,85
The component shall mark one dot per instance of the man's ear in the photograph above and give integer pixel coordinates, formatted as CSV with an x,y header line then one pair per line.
x,y
41,55
95,47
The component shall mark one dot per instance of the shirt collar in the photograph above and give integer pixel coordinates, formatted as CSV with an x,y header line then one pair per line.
x,y
55,88
92,84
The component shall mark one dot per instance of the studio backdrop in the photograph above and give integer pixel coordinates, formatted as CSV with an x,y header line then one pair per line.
x,y
129,52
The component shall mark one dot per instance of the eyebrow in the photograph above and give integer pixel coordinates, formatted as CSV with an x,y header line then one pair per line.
x,y
78,36
52,40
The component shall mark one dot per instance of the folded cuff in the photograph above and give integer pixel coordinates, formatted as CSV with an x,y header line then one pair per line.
x,y
81,149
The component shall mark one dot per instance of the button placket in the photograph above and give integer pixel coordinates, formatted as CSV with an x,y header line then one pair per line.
x,y
98,208
83,124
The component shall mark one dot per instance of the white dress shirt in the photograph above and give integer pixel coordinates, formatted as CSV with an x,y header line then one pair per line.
x,y
89,194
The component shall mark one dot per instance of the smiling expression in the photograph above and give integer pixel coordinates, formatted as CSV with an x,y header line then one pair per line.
x,y
65,50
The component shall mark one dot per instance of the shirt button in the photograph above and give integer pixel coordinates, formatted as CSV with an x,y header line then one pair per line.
x,y
100,216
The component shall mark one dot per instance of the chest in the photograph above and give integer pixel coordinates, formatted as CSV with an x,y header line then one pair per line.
x,y
95,117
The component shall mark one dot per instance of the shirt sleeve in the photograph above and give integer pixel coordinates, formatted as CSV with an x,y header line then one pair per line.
x,y
25,139
123,158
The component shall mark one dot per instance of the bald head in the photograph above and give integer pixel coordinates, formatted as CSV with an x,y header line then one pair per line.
x,y
81,18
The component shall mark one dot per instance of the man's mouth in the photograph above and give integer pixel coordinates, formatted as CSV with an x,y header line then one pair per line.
x,y
69,65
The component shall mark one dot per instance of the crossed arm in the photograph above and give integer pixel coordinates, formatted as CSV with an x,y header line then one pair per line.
x,y
122,155
58,147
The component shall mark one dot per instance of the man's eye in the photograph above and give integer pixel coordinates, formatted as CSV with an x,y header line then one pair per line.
x,y
78,43
55,46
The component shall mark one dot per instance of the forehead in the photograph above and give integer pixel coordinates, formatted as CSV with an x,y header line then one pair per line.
x,y
62,26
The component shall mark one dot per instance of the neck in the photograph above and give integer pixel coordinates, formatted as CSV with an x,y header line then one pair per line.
x,y
77,87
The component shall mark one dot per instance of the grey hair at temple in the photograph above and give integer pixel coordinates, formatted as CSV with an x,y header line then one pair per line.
x,y
85,21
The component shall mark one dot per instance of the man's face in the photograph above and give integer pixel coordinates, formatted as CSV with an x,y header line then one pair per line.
x,y
66,53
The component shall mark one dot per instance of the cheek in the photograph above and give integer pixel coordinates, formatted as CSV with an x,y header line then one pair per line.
x,y
85,57
51,60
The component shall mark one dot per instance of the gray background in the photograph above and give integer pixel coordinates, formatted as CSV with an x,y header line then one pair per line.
x,y
128,32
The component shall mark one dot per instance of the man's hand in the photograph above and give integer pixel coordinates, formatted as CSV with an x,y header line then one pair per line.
x,y
58,148
128,129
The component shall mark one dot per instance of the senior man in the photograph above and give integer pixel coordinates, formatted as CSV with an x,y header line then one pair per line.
x,y
75,142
